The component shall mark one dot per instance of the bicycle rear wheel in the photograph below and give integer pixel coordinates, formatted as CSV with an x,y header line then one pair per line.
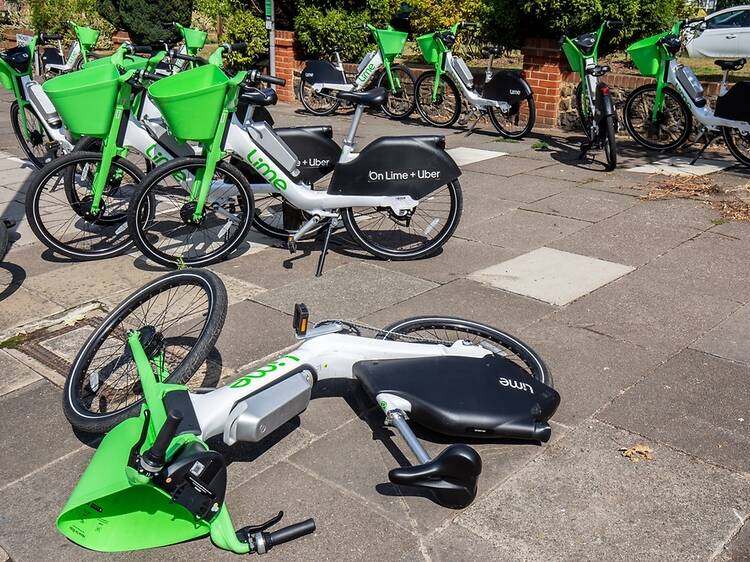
x,y
517,122
3,239
169,236
179,317
317,103
418,234
448,330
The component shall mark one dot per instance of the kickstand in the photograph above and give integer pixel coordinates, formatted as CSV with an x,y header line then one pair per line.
x,y
479,116
709,140
324,251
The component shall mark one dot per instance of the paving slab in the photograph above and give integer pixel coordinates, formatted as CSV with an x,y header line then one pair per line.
x,y
349,291
625,239
551,275
34,259
83,282
674,213
734,229
588,369
452,544
695,402
583,204
522,188
348,529
14,374
20,306
582,500
682,166
479,208
457,259
33,430
640,309
507,166
470,300
276,267
729,339
738,549
522,230
570,172
463,156
253,331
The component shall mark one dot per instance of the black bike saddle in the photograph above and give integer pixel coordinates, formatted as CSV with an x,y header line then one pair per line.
x,y
494,51
371,98
17,57
259,96
734,64
489,397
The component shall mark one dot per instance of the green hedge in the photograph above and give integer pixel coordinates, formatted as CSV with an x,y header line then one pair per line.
x,y
51,16
244,26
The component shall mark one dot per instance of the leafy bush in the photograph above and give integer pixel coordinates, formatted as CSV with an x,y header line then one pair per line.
x,y
317,29
244,26
148,22
509,22
430,16
52,16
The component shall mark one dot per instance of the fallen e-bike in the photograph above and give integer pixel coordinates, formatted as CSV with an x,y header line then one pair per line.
x,y
154,481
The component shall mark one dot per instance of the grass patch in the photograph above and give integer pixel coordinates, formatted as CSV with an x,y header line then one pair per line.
x,y
13,342
503,139
540,145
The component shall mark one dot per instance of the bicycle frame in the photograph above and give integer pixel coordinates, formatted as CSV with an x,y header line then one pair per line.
x,y
581,64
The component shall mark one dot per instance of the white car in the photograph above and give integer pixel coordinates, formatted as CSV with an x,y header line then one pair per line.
x,y
723,34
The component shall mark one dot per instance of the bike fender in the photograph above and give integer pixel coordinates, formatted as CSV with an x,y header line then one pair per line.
x,y
391,166
604,104
507,86
315,149
321,72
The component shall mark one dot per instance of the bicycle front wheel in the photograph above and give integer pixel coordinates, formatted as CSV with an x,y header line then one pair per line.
x,y
447,330
418,234
609,142
34,144
400,103
672,126
3,239
444,109
179,317
59,206
171,235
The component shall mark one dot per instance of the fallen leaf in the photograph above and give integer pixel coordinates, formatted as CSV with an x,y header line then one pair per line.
x,y
638,452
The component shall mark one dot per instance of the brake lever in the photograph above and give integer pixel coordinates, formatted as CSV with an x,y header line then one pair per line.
x,y
251,529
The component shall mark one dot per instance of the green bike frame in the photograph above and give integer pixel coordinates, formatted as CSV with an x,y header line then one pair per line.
x,y
434,51
390,43
113,496
579,61
11,80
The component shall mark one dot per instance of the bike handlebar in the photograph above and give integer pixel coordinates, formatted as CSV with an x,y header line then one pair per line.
x,y
615,24
177,55
257,76
139,49
239,46
46,37
149,75
469,24
289,533
154,457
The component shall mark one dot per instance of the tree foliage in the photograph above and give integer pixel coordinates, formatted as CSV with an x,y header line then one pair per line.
x,y
148,22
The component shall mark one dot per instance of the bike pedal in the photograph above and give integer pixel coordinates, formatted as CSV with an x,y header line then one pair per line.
x,y
291,243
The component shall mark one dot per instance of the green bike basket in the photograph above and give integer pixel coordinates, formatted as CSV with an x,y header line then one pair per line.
x,y
131,62
574,57
430,47
191,102
6,75
86,99
391,42
87,37
647,54
195,39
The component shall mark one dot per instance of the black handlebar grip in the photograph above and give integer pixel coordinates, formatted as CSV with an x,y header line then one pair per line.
x,y
239,46
50,37
198,60
696,20
272,80
140,49
150,75
289,533
615,24
154,457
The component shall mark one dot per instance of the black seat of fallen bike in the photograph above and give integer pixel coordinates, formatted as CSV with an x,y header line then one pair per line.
x,y
494,51
734,64
586,42
371,98
259,96
334,49
464,396
17,57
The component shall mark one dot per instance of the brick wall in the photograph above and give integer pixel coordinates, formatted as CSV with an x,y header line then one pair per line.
x,y
287,62
543,67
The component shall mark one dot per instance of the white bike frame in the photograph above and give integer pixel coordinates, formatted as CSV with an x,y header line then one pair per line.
x,y
704,115
328,356
468,90
373,66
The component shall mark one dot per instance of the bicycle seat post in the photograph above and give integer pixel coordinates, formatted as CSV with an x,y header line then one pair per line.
x,y
350,142
724,81
488,72
339,64
397,419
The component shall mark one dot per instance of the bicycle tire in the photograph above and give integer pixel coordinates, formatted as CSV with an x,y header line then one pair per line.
x,y
383,83
729,139
39,136
519,134
433,324
3,239
610,143
640,139
79,414
421,105
306,103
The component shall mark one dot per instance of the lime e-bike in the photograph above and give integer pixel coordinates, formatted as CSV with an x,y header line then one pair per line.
x,y
54,60
154,480
660,116
505,97
320,80
399,198
596,109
